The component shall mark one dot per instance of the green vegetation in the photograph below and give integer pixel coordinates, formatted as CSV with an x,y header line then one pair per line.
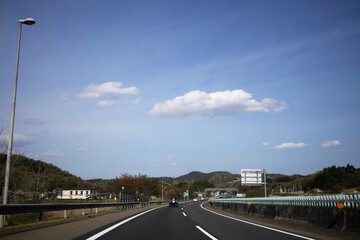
x,y
141,186
334,179
29,178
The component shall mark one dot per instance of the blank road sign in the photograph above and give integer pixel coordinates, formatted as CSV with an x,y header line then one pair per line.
x,y
251,177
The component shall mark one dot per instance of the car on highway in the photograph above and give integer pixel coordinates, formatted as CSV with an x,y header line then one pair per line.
x,y
173,202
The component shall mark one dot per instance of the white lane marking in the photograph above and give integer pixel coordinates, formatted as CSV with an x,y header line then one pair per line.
x,y
118,224
258,225
184,214
206,233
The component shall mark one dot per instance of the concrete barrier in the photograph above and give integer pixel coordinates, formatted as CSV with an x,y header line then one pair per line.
x,y
323,216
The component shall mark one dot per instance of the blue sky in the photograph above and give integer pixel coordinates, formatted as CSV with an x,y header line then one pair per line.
x,y
167,87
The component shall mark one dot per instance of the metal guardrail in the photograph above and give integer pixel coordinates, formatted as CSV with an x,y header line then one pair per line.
x,y
27,208
349,200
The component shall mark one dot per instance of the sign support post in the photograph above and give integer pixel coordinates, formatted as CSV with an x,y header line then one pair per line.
x,y
253,177
264,171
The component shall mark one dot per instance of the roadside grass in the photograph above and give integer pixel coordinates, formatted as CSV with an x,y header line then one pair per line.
x,y
59,201
31,220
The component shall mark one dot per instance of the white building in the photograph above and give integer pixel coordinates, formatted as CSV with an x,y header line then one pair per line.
x,y
77,193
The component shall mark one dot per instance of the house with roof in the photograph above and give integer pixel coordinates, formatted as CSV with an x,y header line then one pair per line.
x,y
77,193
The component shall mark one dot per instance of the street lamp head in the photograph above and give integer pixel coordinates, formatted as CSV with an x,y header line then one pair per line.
x,y
28,21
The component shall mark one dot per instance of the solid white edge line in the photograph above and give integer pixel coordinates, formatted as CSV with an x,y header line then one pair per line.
x,y
258,225
206,233
184,214
118,224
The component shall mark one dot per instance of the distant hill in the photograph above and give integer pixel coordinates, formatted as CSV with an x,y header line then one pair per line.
x,y
218,177
196,175
334,179
275,177
103,185
29,175
229,179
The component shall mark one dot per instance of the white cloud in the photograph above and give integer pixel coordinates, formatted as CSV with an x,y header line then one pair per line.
x,y
48,154
82,149
53,154
197,104
113,102
106,103
330,143
107,89
171,157
174,163
266,143
290,145
109,93
18,139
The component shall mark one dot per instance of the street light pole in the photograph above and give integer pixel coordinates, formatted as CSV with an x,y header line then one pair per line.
x,y
188,192
28,21
265,194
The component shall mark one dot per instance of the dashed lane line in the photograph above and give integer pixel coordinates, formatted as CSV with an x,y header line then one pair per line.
x,y
206,233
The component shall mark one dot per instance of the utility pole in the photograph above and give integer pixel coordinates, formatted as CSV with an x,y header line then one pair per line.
x,y
162,189
265,183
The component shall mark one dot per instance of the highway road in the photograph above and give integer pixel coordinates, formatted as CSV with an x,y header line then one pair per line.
x,y
188,221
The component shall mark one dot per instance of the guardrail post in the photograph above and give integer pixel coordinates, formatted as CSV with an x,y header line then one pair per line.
x,y
2,221
96,210
65,214
83,211
344,223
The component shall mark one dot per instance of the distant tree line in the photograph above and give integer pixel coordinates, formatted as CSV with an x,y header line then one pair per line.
x,y
141,186
28,177
334,179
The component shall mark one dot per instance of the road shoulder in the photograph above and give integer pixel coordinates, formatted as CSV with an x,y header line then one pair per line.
x,y
292,226
73,228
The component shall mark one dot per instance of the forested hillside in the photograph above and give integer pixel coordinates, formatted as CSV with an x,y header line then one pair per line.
x,y
334,179
29,175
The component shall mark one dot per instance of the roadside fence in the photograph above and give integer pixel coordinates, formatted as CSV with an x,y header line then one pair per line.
x,y
351,200
40,208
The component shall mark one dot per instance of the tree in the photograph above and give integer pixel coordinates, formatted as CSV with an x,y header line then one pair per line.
x,y
172,191
334,179
137,184
202,184
38,171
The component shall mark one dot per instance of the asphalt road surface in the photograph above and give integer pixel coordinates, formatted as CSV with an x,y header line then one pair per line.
x,y
188,221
